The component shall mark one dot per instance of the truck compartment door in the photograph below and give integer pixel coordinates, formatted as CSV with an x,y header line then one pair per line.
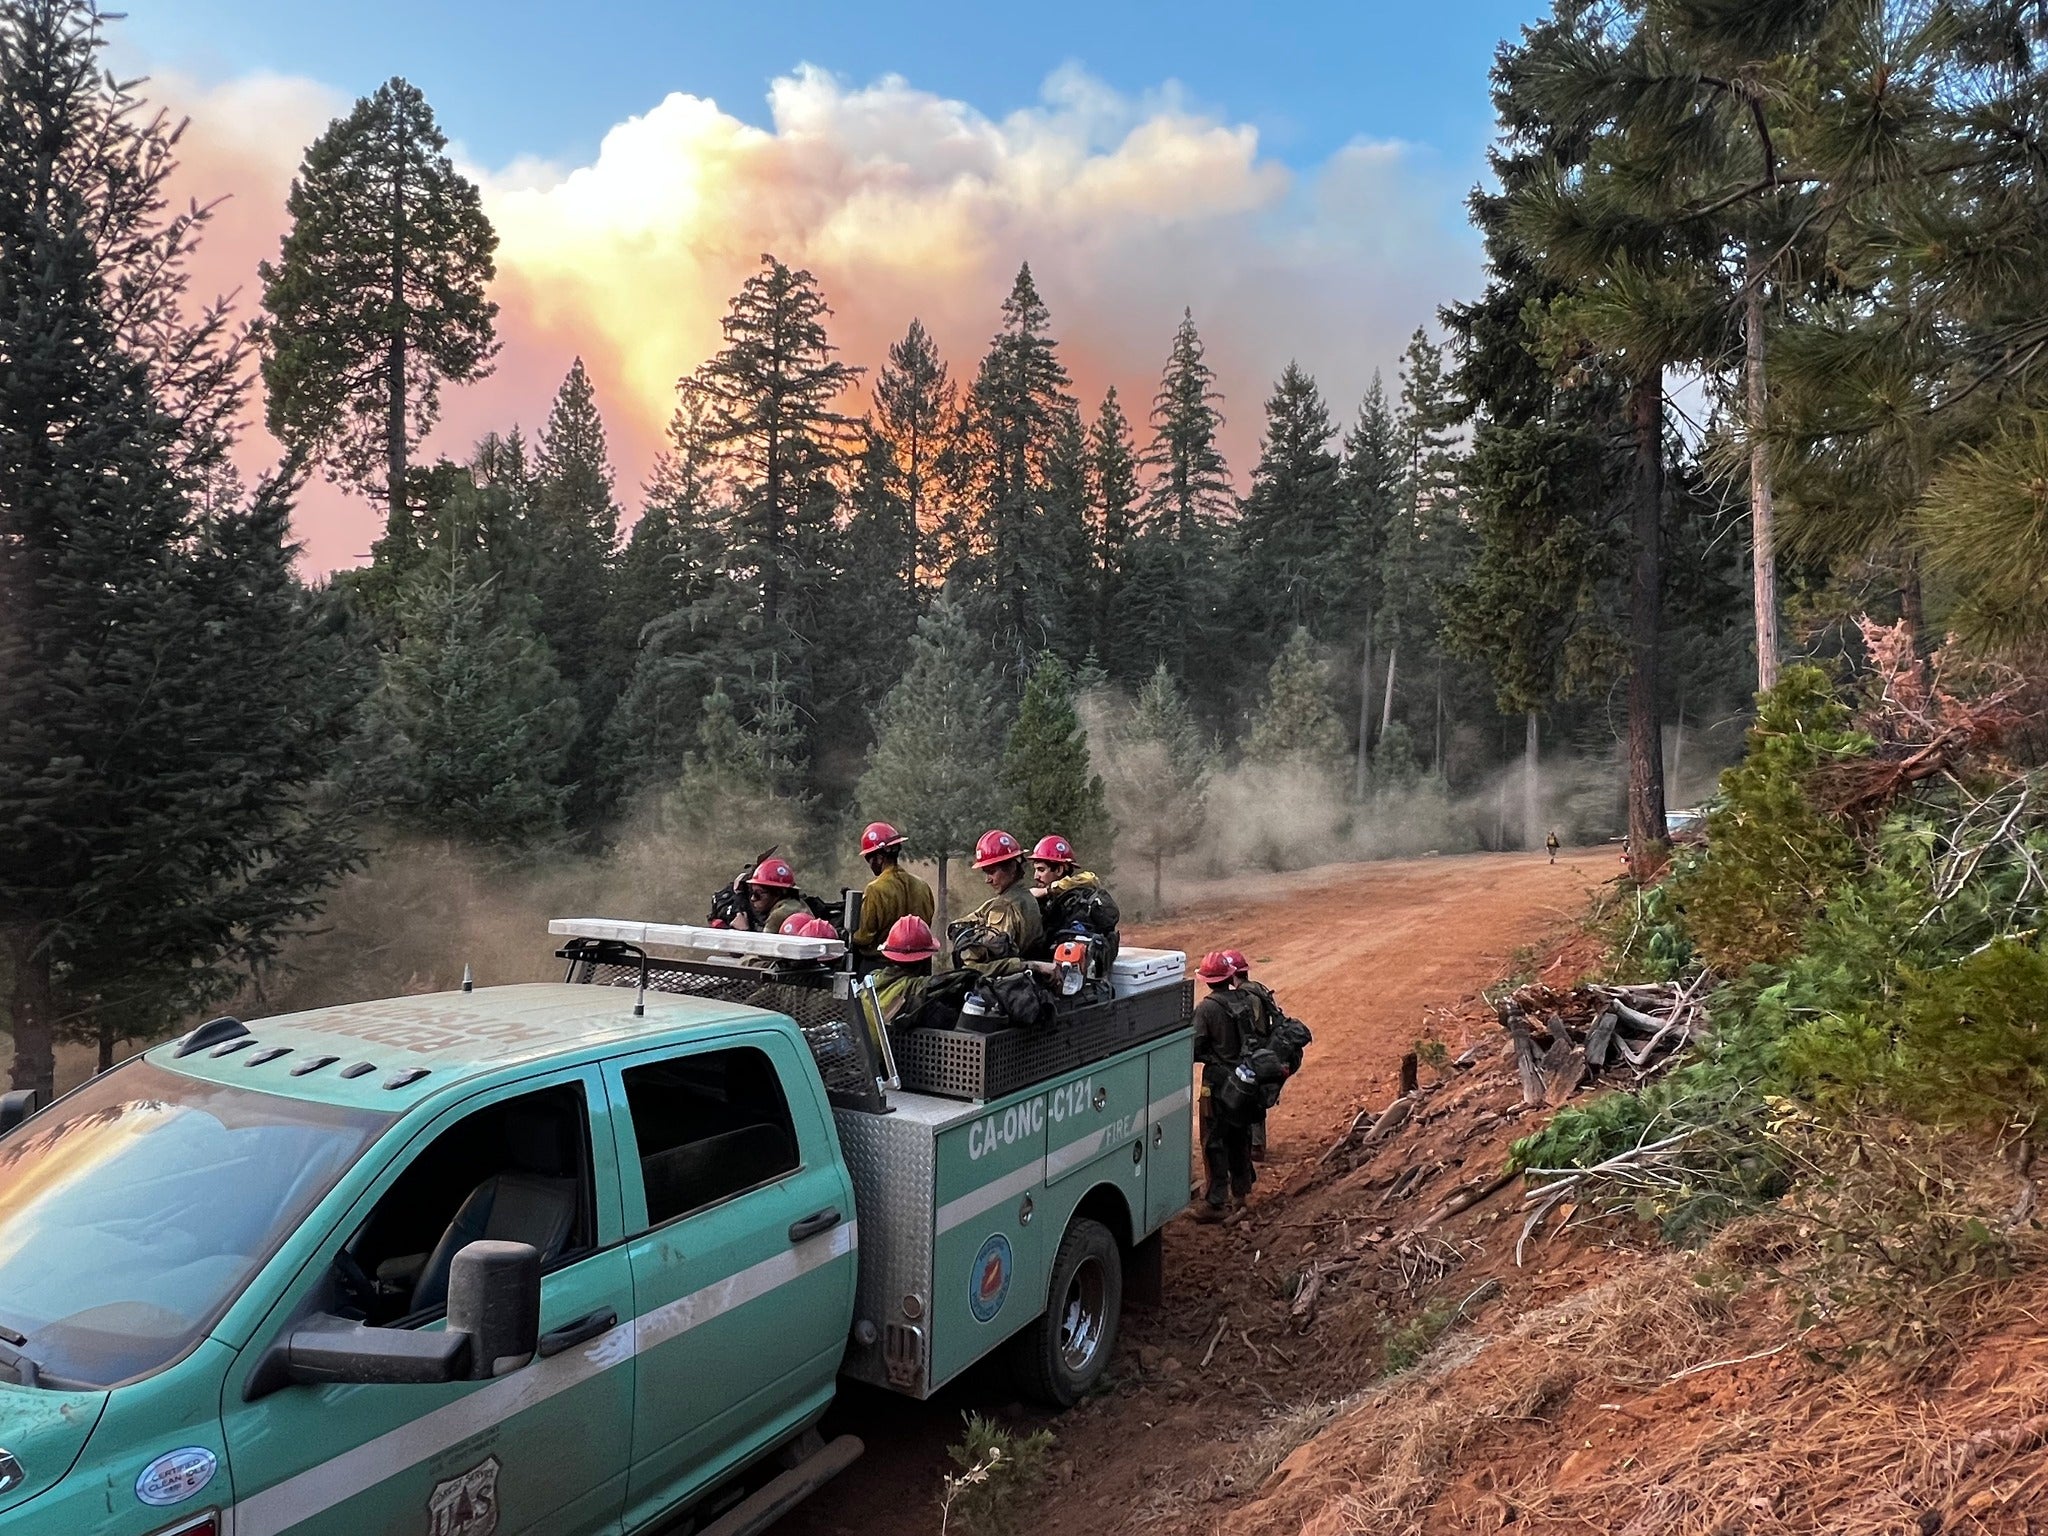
x,y
1169,1146
990,1246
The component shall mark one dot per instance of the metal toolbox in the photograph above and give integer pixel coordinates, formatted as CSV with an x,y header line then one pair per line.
x,y
966,1064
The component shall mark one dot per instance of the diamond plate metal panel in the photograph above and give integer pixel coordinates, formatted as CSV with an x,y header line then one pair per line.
x,y
891,1159
966,1064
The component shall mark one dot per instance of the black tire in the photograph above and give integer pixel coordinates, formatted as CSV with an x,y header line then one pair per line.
x,y
1061,1356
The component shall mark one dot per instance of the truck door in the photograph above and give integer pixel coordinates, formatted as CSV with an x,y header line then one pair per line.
x,y
741,1231
541,1449
1170,1070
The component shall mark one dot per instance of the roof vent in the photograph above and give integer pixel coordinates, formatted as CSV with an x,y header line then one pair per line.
x,y
314,1065
358,1069
404,1076
233,1046
268,1053
212,1032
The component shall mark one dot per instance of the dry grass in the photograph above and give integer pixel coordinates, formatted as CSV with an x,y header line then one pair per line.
x,y
1571,1420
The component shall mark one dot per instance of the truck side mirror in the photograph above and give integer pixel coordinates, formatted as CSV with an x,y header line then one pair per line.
x,y
16,1107
494,1298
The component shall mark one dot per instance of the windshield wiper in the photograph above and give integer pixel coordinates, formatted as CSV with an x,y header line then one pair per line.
x,y
26,1371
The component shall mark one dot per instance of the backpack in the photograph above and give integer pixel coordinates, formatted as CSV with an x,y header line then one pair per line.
x,y
974,942
1084,909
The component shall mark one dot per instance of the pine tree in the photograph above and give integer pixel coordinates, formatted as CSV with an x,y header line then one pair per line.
x,y
931,771
1372,493
1046,768
165,700
1020,431
727,801
469,731
1296,725
377,294
1113,499
576,523
1290,535
1190,485
915,414
1158,778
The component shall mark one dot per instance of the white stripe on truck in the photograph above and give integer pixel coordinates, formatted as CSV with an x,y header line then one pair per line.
x,y
283,1505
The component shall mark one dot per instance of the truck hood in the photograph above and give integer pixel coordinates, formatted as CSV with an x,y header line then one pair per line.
x,y
41,1434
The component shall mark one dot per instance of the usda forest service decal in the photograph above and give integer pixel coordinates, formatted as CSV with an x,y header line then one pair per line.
x,y
467,1504
989,1282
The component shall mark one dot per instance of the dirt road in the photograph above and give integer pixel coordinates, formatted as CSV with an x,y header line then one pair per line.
x,y
1360,953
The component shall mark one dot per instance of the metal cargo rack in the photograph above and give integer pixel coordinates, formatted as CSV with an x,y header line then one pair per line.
x,y
820,1001
968,1064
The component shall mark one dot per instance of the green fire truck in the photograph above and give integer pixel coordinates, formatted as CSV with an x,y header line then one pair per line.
x,y
581,1256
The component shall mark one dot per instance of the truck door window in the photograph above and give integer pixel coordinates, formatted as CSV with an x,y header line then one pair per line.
x,y
707,1127
518,1171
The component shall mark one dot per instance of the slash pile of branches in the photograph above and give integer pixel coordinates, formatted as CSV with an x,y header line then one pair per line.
x,y
1565,1037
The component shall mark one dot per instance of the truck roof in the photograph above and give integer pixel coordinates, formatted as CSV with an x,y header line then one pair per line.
x,y
417,1046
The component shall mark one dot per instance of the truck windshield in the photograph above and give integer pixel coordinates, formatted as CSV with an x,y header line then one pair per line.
x,y
135,1210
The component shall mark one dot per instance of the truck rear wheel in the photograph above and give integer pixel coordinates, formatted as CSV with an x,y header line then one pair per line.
x,y
1060,1357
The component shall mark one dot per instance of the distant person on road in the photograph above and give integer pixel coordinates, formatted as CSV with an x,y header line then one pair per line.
x,y
893,894
1550,842
1219,1045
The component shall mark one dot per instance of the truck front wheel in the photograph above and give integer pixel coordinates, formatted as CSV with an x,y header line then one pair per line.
x,y
1060,1357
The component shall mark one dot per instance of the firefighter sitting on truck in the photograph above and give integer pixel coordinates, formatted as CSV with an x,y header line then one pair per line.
x,y
1219,1045
1007,926
893,894
768,899
906,968
1072,900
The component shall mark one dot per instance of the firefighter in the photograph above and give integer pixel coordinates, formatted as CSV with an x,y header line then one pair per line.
x,y
893,894
1550,842
1219,1044
906,969
1258,1012
1009,922
772,898
1070,898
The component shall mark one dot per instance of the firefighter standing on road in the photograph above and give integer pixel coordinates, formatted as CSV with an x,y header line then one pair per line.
x,y
1010,917
893,894
1259,1011
1219,1044
1550,842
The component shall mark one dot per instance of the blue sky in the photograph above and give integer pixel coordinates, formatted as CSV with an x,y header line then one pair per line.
x,y
524,78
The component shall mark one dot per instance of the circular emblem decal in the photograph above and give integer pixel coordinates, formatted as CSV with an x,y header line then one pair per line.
x,y
989,1283
176,1475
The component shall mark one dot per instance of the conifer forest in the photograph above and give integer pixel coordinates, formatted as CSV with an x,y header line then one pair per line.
x,y
1754,389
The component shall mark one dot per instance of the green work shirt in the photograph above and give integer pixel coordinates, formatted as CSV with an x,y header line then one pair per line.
x,y
899,990
1015,912
894,893
781,913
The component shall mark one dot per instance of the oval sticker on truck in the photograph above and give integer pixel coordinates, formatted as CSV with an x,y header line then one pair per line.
x,y
175,1476
989,1282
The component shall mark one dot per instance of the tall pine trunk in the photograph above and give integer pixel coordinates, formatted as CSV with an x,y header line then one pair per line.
x,y
33,1007
1646,834
941,902
1158,867
1365,711
1532,810
397,522
1387,706
1763,549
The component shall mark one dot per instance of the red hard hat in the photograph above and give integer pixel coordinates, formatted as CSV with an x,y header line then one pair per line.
x,y
996,847
1238,963
1215,968
775,872
1053,849
801,925
910,938
879,836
